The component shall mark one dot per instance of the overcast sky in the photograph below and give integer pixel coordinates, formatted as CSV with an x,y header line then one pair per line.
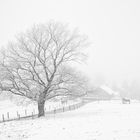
x,y
113,26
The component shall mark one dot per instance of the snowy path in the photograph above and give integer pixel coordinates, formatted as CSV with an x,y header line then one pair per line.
x,y
103,121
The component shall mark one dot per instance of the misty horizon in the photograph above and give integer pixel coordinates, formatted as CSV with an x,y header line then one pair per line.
x,y
112,27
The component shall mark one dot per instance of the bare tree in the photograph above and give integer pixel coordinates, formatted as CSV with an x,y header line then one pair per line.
x,y
34,65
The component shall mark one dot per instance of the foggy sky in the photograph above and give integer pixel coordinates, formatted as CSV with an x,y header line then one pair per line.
x,y
113,27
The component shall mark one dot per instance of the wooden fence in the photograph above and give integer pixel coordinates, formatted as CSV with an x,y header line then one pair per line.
x,y
32,114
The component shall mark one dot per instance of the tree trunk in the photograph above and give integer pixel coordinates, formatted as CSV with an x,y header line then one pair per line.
x,y
41,111
41,104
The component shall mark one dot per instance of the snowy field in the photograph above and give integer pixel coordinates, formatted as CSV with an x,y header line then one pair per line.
x,y
106,120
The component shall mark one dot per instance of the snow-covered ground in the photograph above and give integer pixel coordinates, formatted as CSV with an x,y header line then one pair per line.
x,y
108,120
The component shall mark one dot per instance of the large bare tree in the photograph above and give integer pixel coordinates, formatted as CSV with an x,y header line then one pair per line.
x,y
34,65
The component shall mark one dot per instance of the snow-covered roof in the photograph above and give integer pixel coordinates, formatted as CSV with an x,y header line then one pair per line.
x,y
109,90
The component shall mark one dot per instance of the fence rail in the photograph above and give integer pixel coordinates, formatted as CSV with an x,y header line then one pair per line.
x,y
6,117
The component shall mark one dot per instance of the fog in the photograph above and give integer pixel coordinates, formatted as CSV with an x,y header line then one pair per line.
x,y
112,27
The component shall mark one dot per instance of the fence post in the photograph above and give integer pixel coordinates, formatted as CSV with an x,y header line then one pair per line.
x,y
8,115
18,115
63,109
3,117
54,110
32,115
25,112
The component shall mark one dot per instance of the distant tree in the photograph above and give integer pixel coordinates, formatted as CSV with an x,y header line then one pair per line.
x,y
134,89
34,66
129,89
99,80
122,88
